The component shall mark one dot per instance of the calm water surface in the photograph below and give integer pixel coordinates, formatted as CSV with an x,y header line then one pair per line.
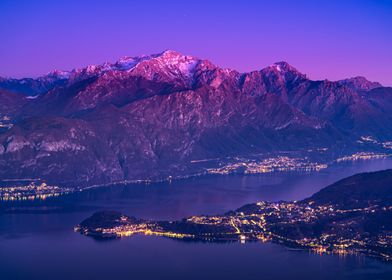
x,y
37,239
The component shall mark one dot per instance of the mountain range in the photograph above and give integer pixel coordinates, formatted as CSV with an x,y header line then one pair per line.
x,y
152,116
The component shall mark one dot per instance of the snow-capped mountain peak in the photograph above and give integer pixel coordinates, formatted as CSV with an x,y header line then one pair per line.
x,y
283,71
58,74
360,83
177,62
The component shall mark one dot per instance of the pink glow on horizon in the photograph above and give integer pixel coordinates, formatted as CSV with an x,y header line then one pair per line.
x,y
322,39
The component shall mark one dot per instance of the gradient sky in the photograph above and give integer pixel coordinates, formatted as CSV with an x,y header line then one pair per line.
x,y
324,39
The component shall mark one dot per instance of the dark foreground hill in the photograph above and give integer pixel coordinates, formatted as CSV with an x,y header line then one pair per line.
x,y
351,216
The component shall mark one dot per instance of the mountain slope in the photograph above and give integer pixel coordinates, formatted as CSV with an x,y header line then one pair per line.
x,y
150,116
358,191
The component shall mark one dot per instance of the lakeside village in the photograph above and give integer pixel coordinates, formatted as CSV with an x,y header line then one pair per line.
x,y
286,164
38,190
262,221
32,191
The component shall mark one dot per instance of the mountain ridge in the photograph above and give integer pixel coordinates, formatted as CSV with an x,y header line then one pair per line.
x,y
150,116
127,63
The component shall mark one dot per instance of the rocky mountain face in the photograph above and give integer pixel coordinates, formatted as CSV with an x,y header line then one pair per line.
x,y
32,87
151,116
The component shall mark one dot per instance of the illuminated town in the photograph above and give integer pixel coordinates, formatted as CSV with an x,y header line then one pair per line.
x,y
280,163
301,162
372,140
5,122
36,190
306,224
363,156
387,145
32,191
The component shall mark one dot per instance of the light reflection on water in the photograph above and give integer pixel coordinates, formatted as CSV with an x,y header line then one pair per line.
x,y
37,241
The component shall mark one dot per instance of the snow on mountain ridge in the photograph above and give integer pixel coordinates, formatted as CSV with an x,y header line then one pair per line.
x,y
170,60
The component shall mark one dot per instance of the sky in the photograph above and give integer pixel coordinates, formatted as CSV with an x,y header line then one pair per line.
x,y
323,39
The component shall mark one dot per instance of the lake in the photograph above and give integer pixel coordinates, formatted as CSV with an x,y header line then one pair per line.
x,y
37,239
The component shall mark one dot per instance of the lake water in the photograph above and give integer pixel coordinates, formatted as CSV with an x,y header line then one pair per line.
x,y
37,239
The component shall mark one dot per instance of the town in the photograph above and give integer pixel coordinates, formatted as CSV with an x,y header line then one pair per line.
x,y
37,190
32,191
363,156
372,140
5,122
321,228
273,164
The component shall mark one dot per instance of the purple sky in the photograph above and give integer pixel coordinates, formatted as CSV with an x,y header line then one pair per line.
x,y
324,39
